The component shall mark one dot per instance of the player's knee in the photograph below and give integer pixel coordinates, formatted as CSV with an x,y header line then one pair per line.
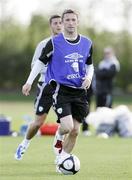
x,y
67,124
67,128
74,132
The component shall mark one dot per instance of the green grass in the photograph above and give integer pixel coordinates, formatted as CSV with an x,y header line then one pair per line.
x,y
101,159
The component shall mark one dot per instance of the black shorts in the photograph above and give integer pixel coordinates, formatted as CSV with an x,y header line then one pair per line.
x,y
70,101
43,101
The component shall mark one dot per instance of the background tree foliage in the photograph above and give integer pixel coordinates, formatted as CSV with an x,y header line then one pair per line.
x,y
17,45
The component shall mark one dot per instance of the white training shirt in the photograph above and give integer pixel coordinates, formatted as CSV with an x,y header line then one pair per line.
x,y
36,56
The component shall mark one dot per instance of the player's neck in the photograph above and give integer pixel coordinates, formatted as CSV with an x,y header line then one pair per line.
x,y
70,36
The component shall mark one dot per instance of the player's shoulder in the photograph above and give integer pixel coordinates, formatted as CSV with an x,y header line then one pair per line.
x,y
86,38
44,41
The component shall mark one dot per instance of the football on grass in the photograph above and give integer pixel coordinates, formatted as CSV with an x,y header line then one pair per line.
x,y
70,165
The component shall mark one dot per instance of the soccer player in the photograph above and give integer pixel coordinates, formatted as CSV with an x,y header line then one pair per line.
x,y
43,101
70,71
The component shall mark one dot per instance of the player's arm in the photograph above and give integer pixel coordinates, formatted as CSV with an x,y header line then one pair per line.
x,y
89,71
43,60
37,53
47,52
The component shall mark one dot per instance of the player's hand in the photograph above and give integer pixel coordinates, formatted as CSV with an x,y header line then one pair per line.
x,y
26,89
86,82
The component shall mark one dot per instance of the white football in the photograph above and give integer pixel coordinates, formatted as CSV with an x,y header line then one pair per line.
x,y
70,165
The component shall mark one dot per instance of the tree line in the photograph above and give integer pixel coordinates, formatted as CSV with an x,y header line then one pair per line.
x,y
18,42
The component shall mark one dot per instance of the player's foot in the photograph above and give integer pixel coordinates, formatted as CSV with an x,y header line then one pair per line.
x,y
58,170
57,144
59,160
56,159
20,151
61,157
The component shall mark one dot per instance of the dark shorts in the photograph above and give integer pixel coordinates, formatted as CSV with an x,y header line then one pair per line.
x,y
70,101
43,101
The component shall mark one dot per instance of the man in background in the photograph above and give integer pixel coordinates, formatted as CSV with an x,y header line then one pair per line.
x,y
105,73
43,101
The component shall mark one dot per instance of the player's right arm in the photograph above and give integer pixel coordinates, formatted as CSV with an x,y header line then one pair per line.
x,y
43,60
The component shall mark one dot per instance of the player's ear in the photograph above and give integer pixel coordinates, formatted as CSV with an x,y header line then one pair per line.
x,y
78,22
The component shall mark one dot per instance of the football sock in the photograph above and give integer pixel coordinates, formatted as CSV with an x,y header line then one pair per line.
x,y
59,136
26,142
63,153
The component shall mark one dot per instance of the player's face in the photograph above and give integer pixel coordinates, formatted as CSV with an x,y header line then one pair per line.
x,y
70,22
56,26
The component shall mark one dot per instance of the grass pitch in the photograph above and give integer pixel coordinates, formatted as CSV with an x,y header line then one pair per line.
x,y
101,159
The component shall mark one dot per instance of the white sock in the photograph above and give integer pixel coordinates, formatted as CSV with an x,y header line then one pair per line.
x,y
59,136
26,142
62,156
63,153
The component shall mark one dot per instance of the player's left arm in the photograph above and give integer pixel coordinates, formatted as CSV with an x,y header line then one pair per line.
x,y
37,67
89,70
37,53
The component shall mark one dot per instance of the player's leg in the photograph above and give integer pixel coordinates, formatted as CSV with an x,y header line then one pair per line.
x,y
66,125
43,103
63,111
63,108
68,144
70,141
31,132
79,109
34,126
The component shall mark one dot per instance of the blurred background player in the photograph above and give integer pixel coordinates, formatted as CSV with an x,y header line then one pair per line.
x,y
105,73
43,101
